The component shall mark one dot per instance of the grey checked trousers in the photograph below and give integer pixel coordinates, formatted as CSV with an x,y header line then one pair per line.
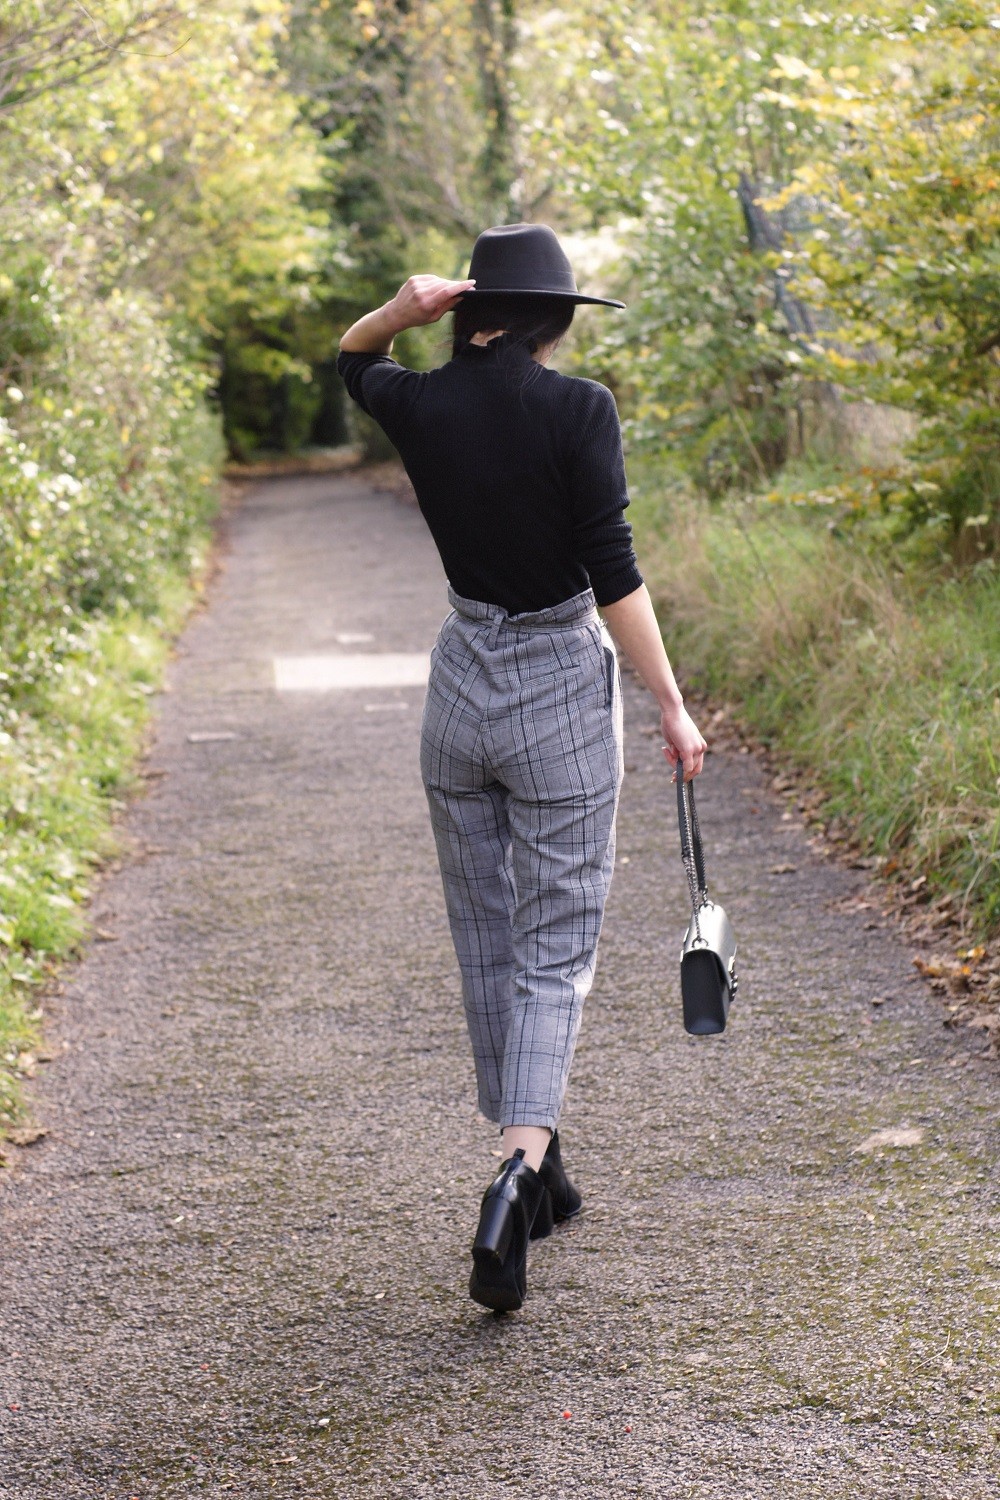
x,y
521,758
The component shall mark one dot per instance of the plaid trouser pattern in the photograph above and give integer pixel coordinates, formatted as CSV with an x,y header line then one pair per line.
x,y
521,757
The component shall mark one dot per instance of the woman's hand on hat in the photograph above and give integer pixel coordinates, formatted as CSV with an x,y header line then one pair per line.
x,y
425,299
421,299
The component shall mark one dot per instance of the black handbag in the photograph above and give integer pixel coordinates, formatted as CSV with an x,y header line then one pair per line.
x,y
708,957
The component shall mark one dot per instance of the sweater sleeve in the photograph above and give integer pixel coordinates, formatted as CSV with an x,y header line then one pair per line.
x,y
380,385
602,538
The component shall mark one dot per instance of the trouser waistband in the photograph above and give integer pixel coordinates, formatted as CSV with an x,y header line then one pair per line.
x,y
563,616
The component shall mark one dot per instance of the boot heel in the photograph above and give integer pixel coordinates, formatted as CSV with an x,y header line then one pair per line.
x,y
544,1222
499,1251
496,1228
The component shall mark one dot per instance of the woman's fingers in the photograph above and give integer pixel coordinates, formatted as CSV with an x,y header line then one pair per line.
x,y
449,291
672,755
452,299
694,759
424,299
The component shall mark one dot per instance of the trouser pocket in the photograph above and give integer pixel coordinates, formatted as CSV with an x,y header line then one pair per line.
x,y
609,676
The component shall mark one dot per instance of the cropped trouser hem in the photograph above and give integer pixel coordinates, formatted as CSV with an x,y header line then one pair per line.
x,y
548,1123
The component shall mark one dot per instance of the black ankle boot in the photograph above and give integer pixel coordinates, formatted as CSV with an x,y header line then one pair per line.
x,y
565,1199
510,1206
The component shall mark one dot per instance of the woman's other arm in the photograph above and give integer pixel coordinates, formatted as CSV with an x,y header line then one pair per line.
x,y
633,625
421,299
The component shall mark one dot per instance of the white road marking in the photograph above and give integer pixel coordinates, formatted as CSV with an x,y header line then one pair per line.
x,y
373,669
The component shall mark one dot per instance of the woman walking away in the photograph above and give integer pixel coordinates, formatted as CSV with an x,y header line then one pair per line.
x,y
519,473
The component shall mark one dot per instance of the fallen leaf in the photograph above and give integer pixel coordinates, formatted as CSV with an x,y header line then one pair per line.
x,y
27,1135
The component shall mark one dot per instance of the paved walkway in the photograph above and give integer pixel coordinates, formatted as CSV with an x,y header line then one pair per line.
x,y
237,1265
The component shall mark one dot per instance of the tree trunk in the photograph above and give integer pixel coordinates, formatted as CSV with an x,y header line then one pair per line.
x,y
495,39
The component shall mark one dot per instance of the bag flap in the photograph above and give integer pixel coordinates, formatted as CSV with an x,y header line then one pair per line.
x,y
716,935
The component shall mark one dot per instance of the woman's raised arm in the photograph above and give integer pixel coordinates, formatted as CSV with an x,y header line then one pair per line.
x,y
421,299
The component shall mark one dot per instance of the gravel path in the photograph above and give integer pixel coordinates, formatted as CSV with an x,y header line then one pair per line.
x,y
237,1265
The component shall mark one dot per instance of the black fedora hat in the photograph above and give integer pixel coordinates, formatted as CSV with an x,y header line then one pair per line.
x,y
527,260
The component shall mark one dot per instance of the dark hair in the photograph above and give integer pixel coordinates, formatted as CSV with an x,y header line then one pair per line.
x,y
531,319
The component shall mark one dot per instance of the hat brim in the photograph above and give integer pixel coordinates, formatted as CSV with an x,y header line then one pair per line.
x,y
536,291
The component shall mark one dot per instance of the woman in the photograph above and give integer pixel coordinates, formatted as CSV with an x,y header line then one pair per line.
x,y
519,473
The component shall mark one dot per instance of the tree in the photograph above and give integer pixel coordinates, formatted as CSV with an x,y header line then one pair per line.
x,y
905,255
662,122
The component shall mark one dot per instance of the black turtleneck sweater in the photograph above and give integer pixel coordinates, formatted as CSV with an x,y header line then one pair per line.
x,y
518,471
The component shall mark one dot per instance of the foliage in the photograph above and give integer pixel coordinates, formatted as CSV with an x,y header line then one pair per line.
x,y
154,175
885,687
153,215
709,356
65,764
168,160
809,206
904,254
420,104
106,481
126,202
421,111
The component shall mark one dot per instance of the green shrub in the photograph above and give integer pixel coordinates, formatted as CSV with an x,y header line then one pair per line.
x,y
108,471
881,680
65,764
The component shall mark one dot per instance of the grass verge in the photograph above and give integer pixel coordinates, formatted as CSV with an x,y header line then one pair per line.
x,y
879,681
63,776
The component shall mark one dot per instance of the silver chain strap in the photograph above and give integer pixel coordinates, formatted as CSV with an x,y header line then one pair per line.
x,y
699,896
